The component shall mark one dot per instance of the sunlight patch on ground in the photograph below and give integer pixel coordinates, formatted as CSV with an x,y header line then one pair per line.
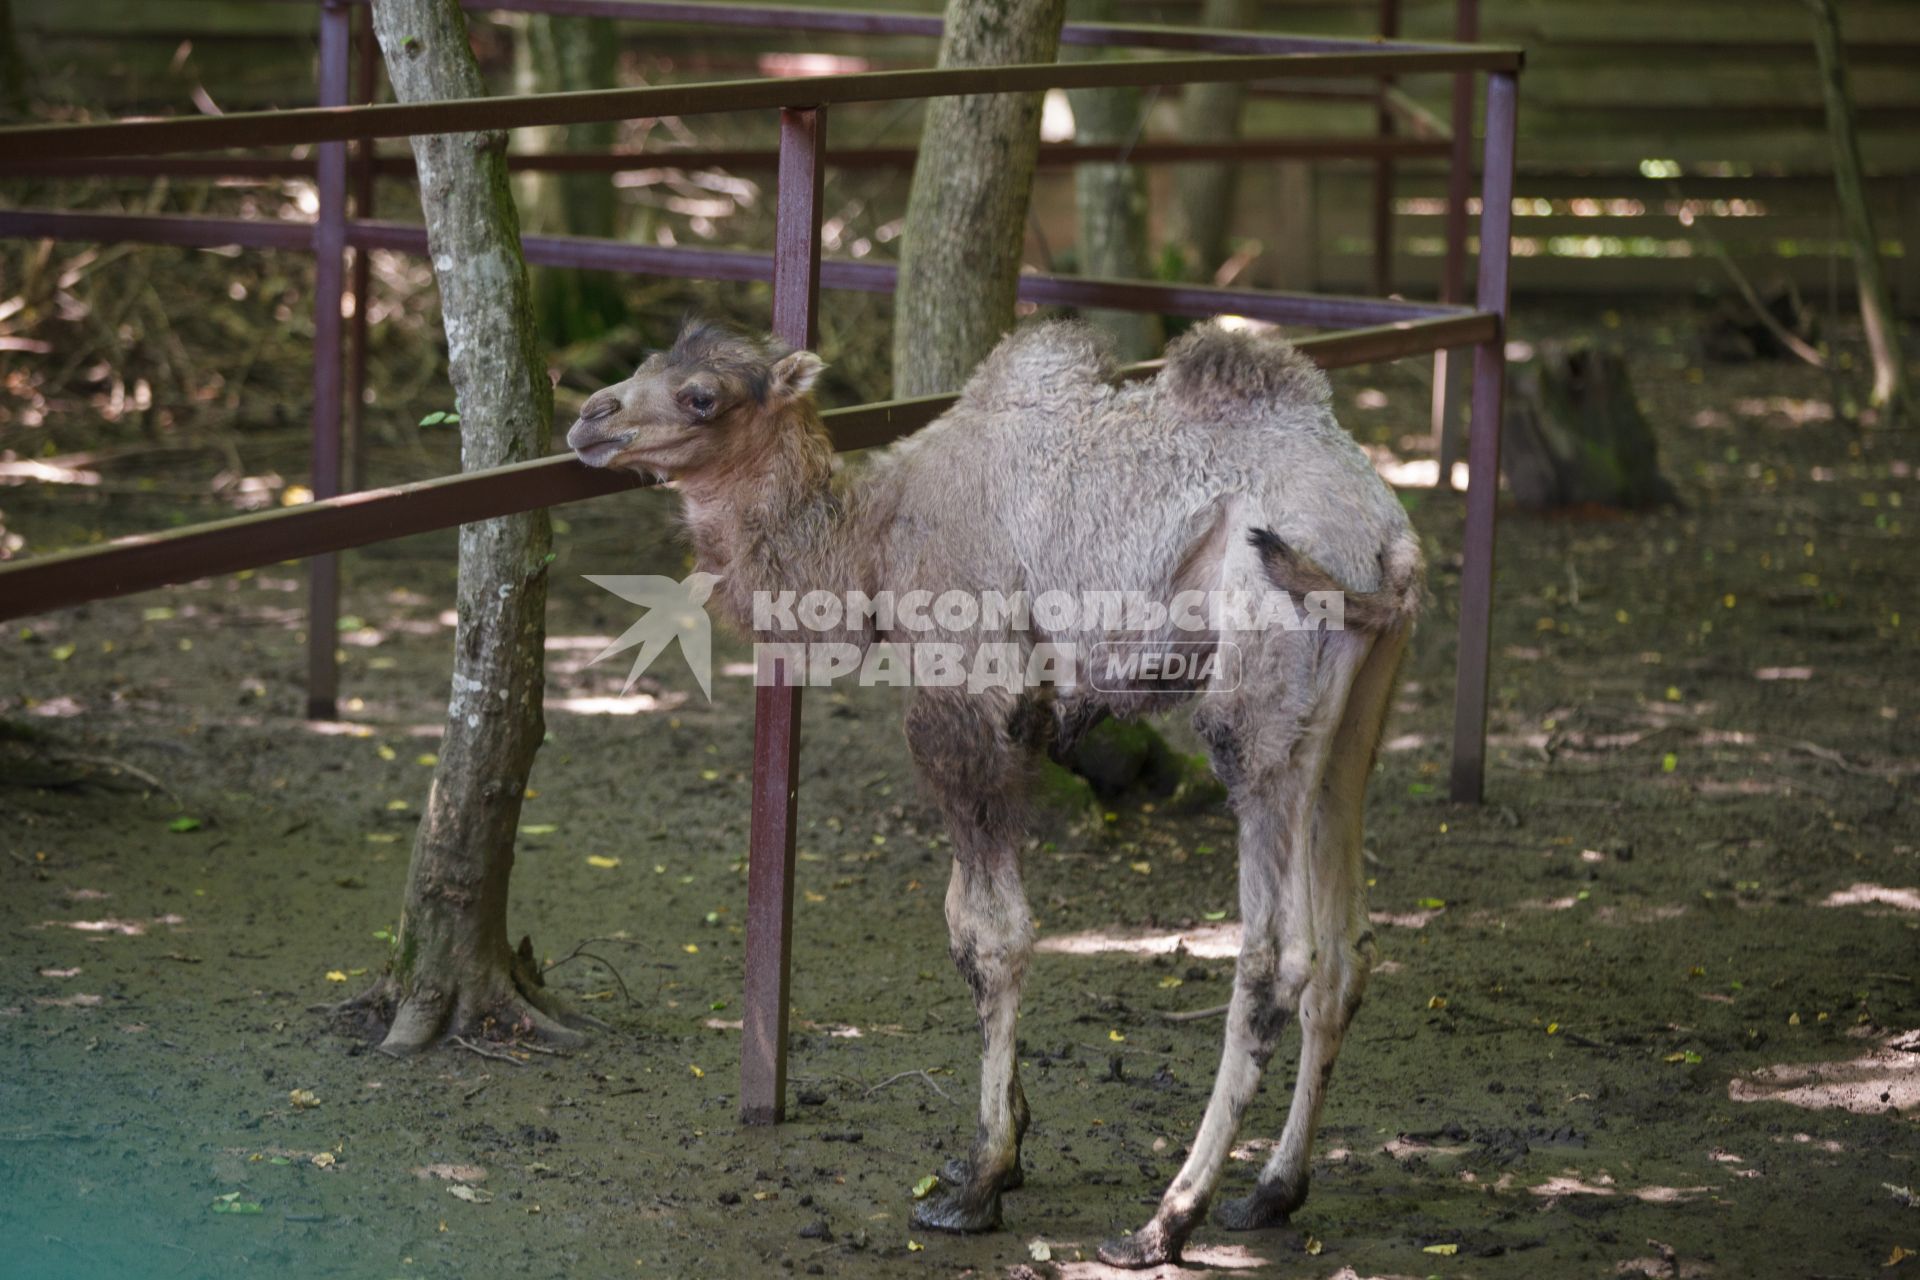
x,y
111,926
1889,1076
1210,942
1406,1148
1206,942
59,708
1207,1259
1412,473
629,704
1860,895
1572,1184
838,1029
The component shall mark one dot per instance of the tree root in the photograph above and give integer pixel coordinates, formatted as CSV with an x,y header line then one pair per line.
x,y
501,1007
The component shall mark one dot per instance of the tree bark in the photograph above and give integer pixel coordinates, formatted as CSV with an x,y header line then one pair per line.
x,y
13,67
556,55
1111,201
967,209
454,971
1575,435
1890,389
1204,193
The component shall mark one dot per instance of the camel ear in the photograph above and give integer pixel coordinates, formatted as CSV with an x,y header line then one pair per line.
x,y
793,375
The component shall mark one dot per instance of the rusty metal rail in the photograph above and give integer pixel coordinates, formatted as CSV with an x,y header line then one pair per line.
x,y
1389,329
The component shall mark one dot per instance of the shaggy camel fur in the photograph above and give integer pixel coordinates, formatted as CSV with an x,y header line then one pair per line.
x,y
1226,472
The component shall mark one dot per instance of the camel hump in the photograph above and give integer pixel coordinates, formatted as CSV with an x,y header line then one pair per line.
x,y
1037,364
1212,368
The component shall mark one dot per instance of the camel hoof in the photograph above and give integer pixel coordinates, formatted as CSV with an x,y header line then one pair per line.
x,y
1255,1212
958,1173
1148,1247
958,1210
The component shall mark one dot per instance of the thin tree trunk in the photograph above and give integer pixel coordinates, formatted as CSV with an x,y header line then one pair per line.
x,y
454,971
967,210
556,55
1890,389
13,67
1111,200
1204,193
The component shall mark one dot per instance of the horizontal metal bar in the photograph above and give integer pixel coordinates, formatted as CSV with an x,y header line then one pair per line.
x,y
157,228
146,561
1051,155
1314,310
67,578
397,120
882,22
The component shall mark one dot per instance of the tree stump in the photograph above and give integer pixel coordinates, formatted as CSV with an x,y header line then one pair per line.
x,y
1575,434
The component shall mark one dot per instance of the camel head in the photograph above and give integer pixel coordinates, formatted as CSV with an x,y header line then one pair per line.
x,y
714,402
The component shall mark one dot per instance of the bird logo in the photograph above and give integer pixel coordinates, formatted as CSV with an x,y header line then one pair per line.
x,y
675,611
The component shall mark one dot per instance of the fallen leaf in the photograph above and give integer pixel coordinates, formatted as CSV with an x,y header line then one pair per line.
x,y
1898,1256
924,1188
914,1246
539,829
1313,1246
601,861
336,975
1144,868
1040,1251
1444,1250
1116,1037
472,1195
324,1159
303,1099
184,824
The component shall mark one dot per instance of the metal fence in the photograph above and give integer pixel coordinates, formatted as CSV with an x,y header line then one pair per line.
x,y
1371,330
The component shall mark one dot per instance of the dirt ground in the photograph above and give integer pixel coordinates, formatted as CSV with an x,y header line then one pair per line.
x,y
1652,1010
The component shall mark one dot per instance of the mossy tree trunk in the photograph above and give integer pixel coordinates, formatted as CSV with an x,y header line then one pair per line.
x,y
1890,389
13,67
967,209
557,55
1575,434
1111,201
455,972
1204,193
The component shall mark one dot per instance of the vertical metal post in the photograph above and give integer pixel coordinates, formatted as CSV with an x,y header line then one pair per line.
x,y
776,707
366,66
329,244
1453,271
1483,463
1383,166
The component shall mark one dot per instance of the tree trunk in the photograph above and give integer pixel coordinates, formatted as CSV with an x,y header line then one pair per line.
x,y
1204,193
1111,200
454,972
556,55
967,210
1890,389
1575,434
13,67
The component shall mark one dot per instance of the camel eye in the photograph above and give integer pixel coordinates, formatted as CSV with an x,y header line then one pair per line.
x,y
698,402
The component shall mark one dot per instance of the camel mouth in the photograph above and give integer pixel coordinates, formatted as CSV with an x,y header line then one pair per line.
x,y
603,452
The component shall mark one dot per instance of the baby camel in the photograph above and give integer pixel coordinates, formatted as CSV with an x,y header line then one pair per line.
x,y
1225,473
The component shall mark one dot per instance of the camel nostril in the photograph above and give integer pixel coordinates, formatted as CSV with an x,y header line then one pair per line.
x,y
599,407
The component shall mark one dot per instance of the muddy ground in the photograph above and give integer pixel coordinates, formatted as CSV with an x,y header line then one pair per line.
x,y
1651,1010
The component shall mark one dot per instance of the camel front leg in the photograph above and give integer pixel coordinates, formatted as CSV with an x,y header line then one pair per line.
x,y
991,936
969,760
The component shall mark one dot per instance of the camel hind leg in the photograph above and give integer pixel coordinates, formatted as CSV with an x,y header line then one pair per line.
x,y
1272,742
1342,939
